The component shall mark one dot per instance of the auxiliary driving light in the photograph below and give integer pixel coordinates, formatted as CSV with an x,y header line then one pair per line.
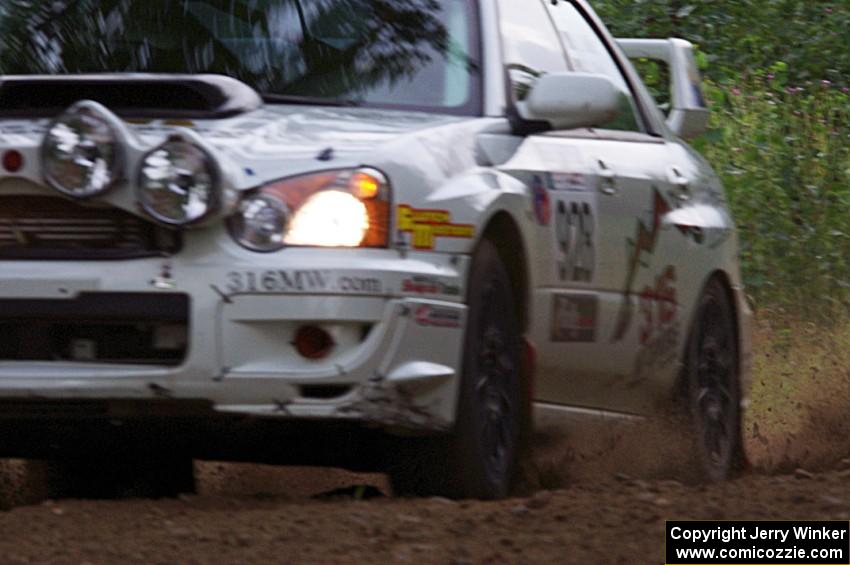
x,y
178,183
80,152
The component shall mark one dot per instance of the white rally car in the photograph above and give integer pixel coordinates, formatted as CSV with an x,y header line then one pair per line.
x,y
374,233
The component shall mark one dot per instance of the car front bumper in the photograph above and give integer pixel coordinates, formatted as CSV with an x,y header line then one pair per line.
x,y
397,321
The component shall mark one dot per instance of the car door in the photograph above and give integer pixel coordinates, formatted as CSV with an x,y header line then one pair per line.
x,y
605,298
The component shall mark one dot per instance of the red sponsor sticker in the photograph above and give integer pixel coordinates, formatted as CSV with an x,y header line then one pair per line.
x,y
437,316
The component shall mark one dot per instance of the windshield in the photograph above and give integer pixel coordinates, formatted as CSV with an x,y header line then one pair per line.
x,y
419,54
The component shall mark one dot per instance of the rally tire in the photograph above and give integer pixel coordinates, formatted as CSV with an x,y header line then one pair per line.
x,y
479,458
713,389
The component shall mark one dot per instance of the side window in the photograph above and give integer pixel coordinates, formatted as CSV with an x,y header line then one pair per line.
x,y
587,53
530,43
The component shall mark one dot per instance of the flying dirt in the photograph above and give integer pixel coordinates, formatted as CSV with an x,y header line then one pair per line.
x,y
594,495
599,504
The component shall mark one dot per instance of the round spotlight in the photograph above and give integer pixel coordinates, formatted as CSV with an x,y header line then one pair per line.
x,y
80,153
178,183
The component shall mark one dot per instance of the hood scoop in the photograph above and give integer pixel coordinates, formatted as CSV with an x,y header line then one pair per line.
x,y
128,95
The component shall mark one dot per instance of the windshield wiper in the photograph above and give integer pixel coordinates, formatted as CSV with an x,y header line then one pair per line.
x,y
307,100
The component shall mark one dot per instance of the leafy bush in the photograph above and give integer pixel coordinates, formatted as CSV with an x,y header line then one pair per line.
x,y
778,79
784,156
737,36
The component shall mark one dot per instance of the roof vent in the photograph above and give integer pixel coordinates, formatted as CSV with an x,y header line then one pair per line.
x,y
128,95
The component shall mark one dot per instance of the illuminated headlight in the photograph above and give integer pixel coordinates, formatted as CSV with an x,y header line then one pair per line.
x,y
80,153
178,183
330,218
348,208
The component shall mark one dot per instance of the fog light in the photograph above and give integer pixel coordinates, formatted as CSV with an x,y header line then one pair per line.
x,y
313,342
13,161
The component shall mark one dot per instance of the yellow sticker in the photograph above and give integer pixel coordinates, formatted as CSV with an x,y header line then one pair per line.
x,y
178,122
427,225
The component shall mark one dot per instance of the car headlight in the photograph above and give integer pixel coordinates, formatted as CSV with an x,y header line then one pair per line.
x,y
178,182
80,152
345,208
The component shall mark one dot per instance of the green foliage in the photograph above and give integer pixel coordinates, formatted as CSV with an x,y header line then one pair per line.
x,y
738,36
778,78
784,156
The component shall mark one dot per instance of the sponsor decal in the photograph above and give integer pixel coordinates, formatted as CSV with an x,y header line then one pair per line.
x,y
27,128
358,285
425,226
659,327
437,316
542,205
307,281
658,353
422,284
575,229
576,182
658,304
574,318
645,242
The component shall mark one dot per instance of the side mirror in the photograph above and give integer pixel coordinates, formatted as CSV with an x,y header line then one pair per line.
x,y
572,100
689,113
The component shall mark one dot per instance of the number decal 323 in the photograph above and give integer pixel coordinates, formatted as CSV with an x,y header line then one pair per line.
x,y
575,227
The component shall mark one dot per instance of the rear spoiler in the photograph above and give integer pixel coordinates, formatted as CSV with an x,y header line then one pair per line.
x,y
689,113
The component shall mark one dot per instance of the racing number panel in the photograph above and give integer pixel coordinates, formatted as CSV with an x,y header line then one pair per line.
x,y
575,238
607,243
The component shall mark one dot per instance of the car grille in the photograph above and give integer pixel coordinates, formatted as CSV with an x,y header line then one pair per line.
x,y
102,327
46,227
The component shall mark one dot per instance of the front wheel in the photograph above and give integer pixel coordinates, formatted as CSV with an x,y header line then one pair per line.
x,y
713,390
478,460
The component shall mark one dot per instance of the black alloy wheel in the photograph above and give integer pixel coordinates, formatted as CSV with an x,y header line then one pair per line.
x,y
713,386
479,458
494,371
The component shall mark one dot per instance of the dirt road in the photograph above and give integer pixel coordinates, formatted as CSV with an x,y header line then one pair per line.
x,y
602,495
613,520
602,500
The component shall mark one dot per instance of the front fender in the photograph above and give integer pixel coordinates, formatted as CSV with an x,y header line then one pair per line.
x,y
444,199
